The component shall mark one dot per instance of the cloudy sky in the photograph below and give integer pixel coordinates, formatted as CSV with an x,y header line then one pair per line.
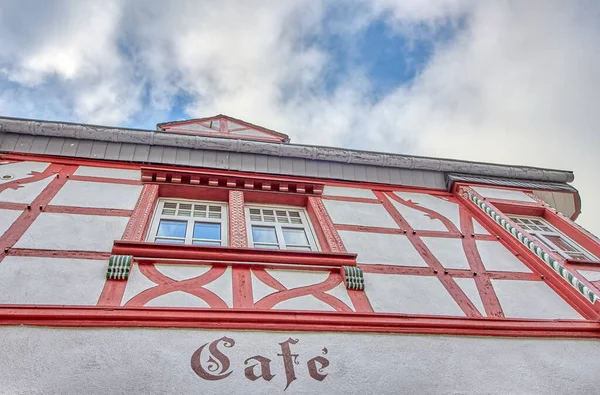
x,y
499,81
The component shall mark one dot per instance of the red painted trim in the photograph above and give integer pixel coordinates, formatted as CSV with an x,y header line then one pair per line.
x,y
142,214
572,230
106,180
13,206
112,293
451,286
18,228
58,316
88,211
243,297
553,279
72,254
232,254
516,208
228,135
328,237
457,273
238,237
421,233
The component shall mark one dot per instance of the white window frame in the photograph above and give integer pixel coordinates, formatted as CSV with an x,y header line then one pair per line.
x,y
541,235
158,216
306,226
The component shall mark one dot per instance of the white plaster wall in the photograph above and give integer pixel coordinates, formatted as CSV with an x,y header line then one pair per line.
x,y
260,289
440,205
306,302
97,195
504,194
54,231
468,286
25,193
297,278
348,192
57,281
7,218
478,228
353,213
389,293
384,249
20,170
106,172
496,257
531,299
590,275
157,361
449,252
138,283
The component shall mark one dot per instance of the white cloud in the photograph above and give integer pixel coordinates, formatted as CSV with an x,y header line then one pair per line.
x,y
519,83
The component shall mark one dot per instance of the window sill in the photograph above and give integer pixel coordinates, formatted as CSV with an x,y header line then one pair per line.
x,y
232,254
586,263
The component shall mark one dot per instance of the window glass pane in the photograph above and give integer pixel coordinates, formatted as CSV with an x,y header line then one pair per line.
x,y
206,243
264,234
203,230
170,241
561,243
295,236
171,228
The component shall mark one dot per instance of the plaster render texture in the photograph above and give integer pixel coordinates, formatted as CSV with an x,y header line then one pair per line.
x,y
306,302
260,289
449,252
590,275
136,283
353,213
381,249
503,194
157,361
440,205
7,218
106,172
496,257
51,281
25,193
177,299
348,192
390,293
76,232
97,195
20,170
531,299
469,287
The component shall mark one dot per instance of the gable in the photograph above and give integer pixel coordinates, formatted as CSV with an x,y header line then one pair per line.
x,y
223,126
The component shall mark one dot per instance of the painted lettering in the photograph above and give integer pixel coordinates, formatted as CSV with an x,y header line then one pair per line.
x,y
214,364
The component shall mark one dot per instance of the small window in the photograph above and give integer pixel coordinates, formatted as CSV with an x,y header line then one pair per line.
x,y
279,228
189,222
552,238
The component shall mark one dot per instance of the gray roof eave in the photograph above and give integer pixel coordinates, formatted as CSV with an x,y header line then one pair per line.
x,y
309,152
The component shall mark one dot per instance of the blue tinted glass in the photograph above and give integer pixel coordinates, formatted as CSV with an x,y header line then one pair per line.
x,y
206,243
203,230
171,228
264,234
295,236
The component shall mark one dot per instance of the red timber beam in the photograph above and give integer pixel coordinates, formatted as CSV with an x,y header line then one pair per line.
x,y
569,293
244,319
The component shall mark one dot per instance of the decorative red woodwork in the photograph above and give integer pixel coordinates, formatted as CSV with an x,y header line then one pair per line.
x,y
76,316
232,254
224,127
18,228
142,214
88,211
451,286
238,236
229,180
553,279
58,254
328,237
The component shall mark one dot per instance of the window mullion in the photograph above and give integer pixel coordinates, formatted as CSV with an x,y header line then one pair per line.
x,y
189,231
280,239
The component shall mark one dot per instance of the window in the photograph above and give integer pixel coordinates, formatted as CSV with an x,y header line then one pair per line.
x,y
552,238
279,227
189,222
